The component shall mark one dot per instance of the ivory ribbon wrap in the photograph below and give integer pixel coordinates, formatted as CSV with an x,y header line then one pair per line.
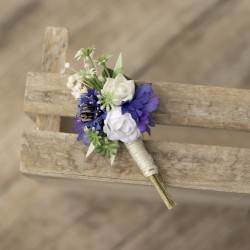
x,y
146,164
143,159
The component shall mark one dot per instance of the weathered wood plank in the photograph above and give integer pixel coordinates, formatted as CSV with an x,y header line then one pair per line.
x,y
54,58
181,165
55,49
181,104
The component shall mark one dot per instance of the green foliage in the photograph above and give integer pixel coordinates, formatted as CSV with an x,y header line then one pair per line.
x,y
93,136
85,53
103,59
102,144
117,72
107,147
106,100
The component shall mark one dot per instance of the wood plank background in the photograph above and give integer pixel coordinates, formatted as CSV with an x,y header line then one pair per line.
x,y
177,41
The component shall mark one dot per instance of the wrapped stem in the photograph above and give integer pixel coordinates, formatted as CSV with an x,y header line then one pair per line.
x,y
146,164
165,195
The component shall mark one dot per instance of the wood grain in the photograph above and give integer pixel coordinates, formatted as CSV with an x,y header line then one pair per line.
x,y
54,58
181,165
181,104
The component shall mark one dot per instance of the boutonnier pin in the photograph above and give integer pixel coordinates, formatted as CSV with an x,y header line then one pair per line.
x,y
113,108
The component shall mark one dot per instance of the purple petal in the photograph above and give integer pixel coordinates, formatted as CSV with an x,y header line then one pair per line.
x,y
142,127
143,88
85,140
148,130
152,105
81,135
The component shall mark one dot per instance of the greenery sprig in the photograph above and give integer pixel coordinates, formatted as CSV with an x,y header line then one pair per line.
x,y
102,144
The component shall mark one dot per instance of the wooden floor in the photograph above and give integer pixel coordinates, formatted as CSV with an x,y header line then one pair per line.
x,y
191,41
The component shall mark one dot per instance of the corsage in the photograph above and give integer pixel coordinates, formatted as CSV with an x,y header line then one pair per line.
x,y
112,108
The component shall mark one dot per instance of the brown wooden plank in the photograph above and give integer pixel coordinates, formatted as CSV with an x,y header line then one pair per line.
x,y
54,58
180,104
181,165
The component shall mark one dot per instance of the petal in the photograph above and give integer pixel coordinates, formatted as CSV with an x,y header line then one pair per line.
x,y
81,135
85,140
142,126
142,89
91,148
152,105
148,130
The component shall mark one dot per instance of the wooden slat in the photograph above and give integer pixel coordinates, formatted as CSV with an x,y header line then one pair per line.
x,y
54,154
180,104
54,58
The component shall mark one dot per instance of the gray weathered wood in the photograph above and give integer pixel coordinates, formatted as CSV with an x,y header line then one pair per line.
x,y
180,104
54,58
181,165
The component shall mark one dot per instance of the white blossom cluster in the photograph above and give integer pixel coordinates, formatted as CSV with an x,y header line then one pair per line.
x,y
76,85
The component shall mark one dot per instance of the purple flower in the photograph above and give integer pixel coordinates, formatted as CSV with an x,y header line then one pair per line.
x,y
89,114
141,106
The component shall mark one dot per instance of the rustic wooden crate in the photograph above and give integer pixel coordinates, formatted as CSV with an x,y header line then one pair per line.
x,y
48,152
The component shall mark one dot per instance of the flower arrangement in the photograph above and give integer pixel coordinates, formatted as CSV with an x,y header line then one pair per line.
x,y
112,108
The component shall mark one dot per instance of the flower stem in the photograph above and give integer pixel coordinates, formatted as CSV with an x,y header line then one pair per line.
x,y
165,195
91,62
106,70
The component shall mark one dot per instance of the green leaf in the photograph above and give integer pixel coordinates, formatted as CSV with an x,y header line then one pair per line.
x,y
104,73
117,71
107,147
111,72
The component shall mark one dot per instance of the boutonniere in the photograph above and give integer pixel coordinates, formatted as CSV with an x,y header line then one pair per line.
x,y
112,108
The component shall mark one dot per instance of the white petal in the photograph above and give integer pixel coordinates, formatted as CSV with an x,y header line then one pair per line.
x,y
67,65
118,63
70,85
72,78
90,149
112,159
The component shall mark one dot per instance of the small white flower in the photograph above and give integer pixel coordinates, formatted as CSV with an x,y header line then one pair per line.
x,y
77,76
84,90
67,65
71,81
78,54
90,73
70,84
76,91
100,78
86,65
120,127
72,78
122,89
77,95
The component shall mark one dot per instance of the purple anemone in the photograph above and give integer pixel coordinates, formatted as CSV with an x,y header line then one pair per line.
x,y
141,106
89,114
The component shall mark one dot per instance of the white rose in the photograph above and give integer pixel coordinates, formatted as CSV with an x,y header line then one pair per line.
x,y
122,89
120,127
